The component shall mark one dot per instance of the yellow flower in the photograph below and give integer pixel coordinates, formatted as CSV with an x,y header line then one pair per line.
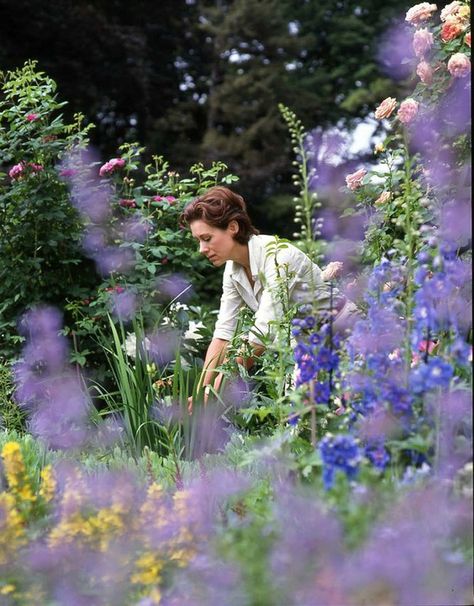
x,y
48,484
12,532
148,568
379,148
6,589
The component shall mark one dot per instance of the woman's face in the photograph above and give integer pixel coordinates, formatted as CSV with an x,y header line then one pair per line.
x,y
218,245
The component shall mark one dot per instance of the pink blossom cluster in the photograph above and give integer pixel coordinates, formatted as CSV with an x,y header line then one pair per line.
x,y
111,166
19,170
31,117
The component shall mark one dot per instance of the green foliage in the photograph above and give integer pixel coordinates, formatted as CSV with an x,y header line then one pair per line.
x,y
39,230
12,418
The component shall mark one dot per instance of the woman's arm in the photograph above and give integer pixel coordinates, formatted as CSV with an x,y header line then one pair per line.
x,y
214,357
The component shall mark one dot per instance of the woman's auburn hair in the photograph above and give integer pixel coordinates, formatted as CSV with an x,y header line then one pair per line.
x,y
218,207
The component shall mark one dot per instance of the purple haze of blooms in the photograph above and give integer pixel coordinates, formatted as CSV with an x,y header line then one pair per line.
x,y
124,304
407,558
454,410
112,260
163,345
135,229
456,221
395,53
173,287
206,581
304,529
94,239
46,384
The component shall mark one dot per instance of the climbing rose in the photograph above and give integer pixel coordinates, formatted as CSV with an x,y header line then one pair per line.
x,y
459,65
424,72
450,10
408,111
385,109
354,180
420,12
111,166
451,29
422,41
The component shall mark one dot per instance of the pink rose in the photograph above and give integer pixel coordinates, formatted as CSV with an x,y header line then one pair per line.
x,y
31,117
450,10
424,72
354,180
422,41
467,39
459,65
420,12
451,29
384,197
111,166
16,171
408,111
385,109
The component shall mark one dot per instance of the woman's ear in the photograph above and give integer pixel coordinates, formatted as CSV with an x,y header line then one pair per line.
x,y
233,227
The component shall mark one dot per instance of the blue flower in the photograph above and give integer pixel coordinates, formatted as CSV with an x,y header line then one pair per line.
x,y
435,373
321,392
339,453
377,454
327,359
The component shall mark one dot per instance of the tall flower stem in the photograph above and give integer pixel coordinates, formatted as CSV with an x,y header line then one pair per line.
x,y
409,211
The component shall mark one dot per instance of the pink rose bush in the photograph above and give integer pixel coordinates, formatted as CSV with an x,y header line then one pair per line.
x,y
423,40
111,167
420,12
354,180
386,108
19,170
408,111
459,65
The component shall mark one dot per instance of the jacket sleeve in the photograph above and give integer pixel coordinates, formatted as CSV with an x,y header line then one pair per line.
x,y
231,302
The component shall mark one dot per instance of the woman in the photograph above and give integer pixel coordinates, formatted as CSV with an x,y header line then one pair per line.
x,y
253,269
